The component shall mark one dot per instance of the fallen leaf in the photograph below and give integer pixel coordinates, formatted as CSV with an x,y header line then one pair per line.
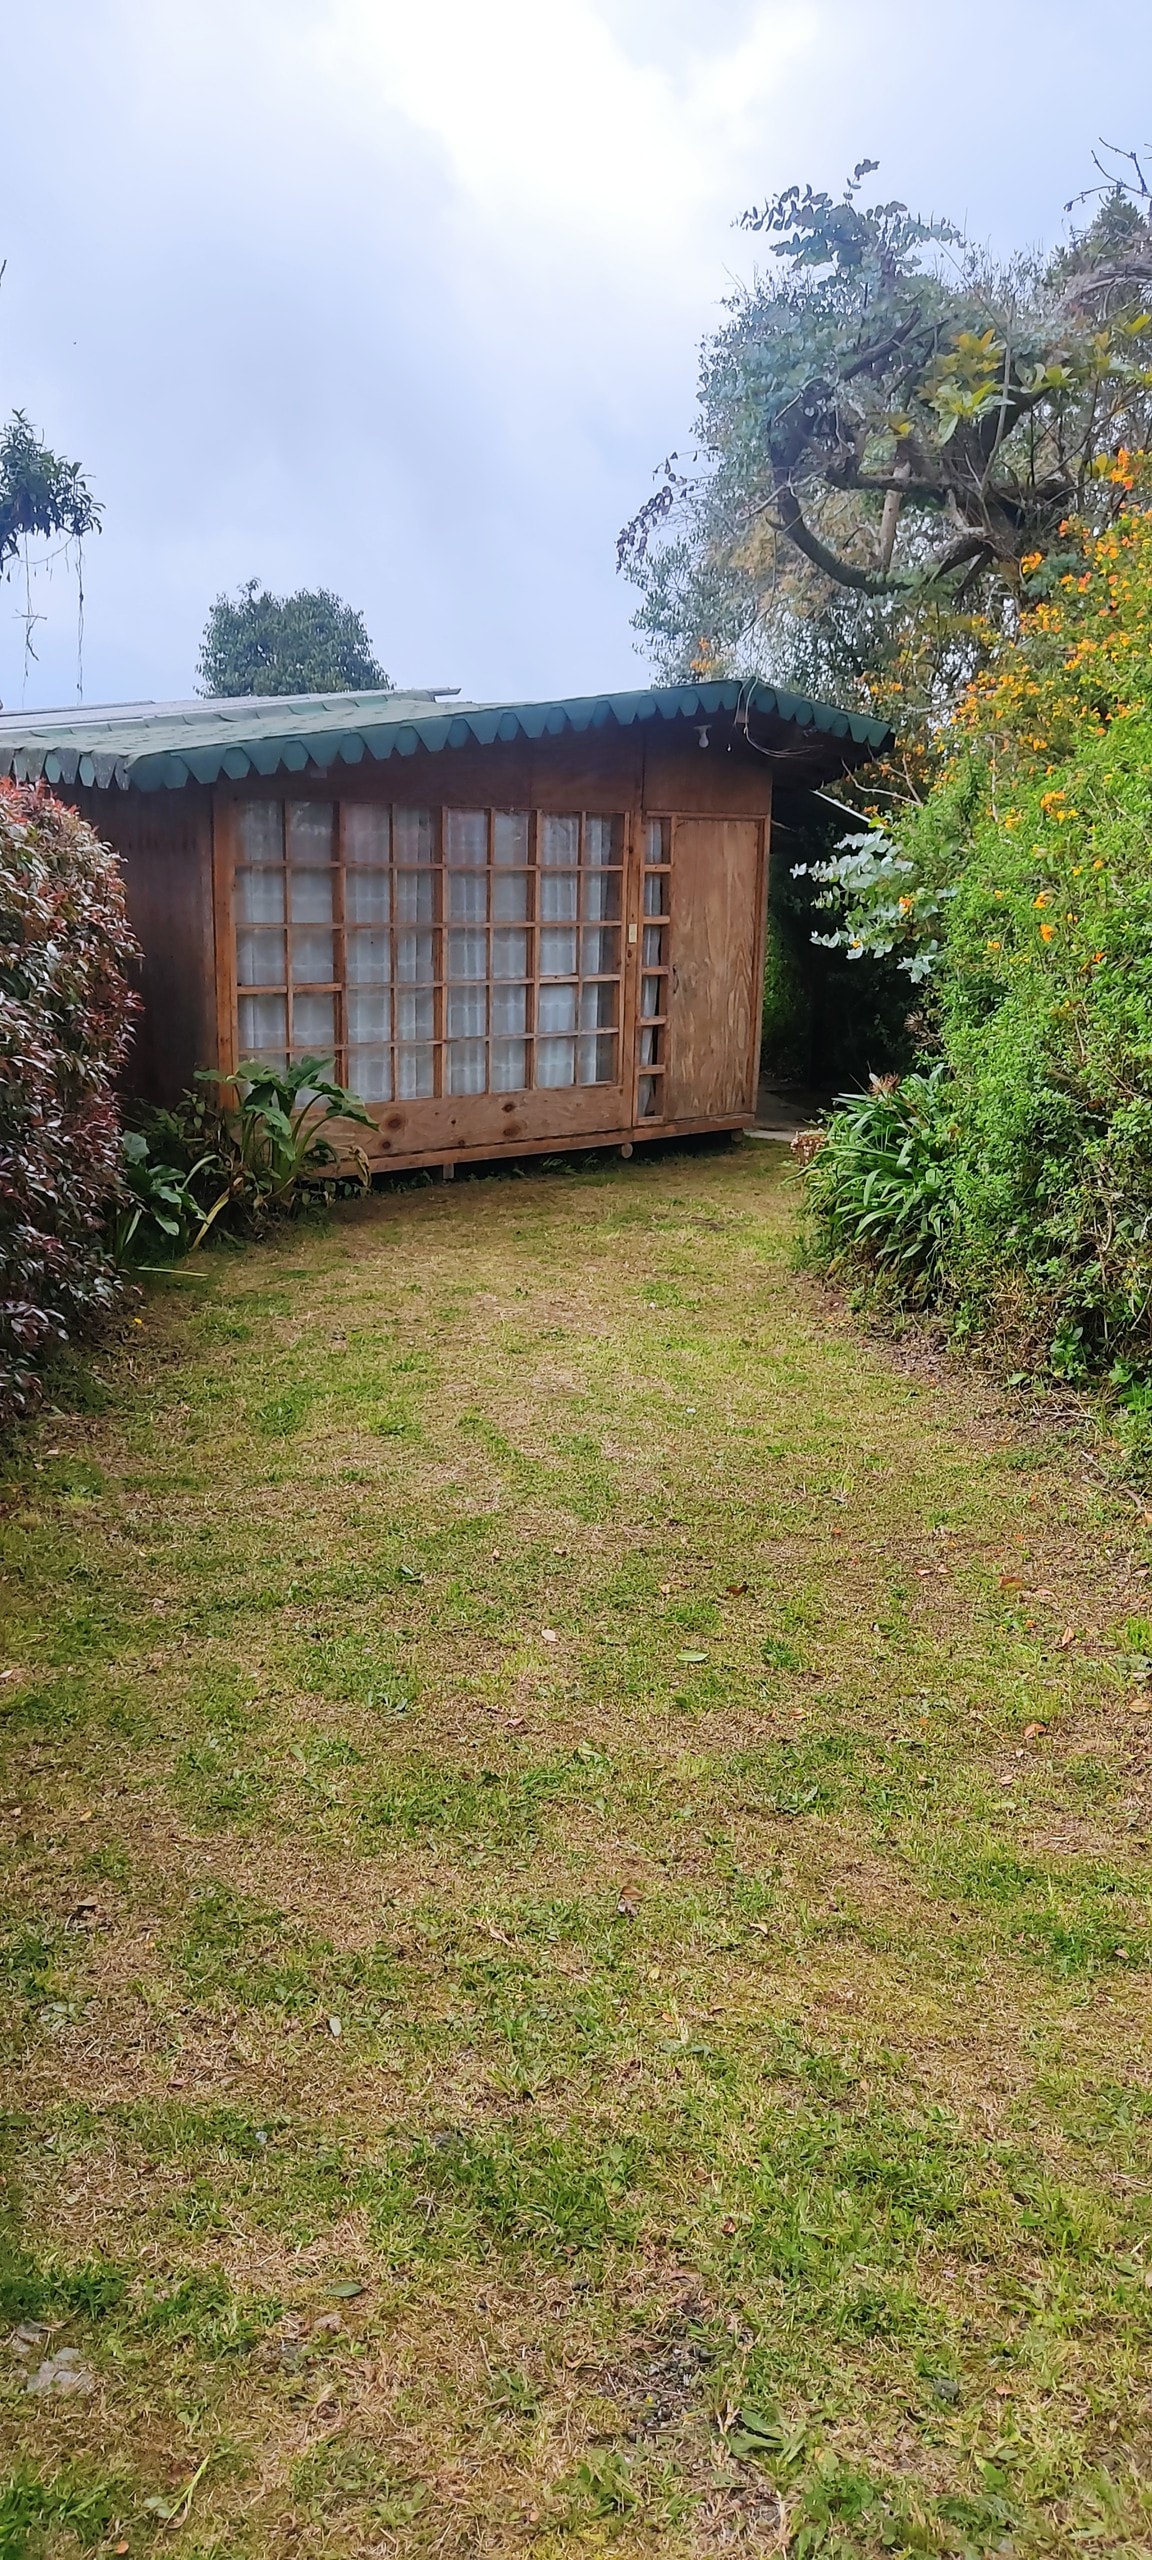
x,y
1011,1582
517,1724
693,1657
626,1907
1033,1731
548,1635
334,2027
735,1590
1068,1637
347,2289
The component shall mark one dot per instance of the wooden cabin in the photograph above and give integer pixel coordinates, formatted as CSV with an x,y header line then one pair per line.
x,y
515,927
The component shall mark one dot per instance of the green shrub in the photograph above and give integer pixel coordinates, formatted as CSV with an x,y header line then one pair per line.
x,y
1022,1193
880,1187
65,1017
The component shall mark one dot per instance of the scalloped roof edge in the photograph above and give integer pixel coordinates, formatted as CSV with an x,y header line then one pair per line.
x,y
158,746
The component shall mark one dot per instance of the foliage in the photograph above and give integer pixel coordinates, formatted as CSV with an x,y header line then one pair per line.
x,y
890,427
310,642
880,1185
40,493
254,1148
835,1011
65,1015
1027,898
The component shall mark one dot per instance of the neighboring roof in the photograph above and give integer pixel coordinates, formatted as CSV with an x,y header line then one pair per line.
x,y
157,746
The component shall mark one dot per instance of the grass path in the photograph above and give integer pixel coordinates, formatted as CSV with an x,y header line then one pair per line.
x,y
575,1929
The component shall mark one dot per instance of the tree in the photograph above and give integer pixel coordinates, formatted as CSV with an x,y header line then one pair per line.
x,y
309,642
40,493
894,434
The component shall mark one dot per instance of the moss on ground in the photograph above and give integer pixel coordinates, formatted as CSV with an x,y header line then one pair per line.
x,y
575,1922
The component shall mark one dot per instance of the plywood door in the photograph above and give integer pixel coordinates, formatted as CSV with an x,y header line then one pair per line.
x,y
717,895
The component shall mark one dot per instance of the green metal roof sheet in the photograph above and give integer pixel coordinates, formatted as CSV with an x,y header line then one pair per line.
x,y
161,746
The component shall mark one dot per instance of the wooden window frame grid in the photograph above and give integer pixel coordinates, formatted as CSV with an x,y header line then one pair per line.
x,y
227,860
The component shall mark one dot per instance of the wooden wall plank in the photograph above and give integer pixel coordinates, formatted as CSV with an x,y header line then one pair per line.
x,y
715,994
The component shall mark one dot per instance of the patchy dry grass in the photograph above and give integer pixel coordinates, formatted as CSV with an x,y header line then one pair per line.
x,y
575,1917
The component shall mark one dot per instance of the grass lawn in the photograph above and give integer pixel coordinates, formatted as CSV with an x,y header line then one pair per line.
x,y
575,1933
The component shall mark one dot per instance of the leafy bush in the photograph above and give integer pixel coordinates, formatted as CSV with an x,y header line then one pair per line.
x,y
243,1148
880,1185
65,1017
1027,893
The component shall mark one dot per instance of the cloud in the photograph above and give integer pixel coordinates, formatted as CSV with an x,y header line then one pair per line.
x,y
406,302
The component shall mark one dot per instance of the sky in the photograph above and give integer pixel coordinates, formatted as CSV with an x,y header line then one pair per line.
x,y
407,301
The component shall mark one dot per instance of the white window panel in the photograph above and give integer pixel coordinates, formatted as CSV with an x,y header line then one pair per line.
x,y
310,897
310,829
509,1068
370,1074
599,950
598,1006
509,954
413,837
555,1062
556,1009
466,1066
369,1015
367,959
312,956
658,840
263,1024
560,843
510,899
467,1017
509,1011
603,842
415,1074
601,894
415,959
314,1024
653,952
415,896
259,897
367,897
367,833
466,836
260,831
259,958
467,955
415,1015
557,952
596,1058
558,897
510,837
651,997
467,899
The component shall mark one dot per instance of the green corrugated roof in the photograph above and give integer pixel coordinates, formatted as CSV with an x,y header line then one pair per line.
x,y
160,746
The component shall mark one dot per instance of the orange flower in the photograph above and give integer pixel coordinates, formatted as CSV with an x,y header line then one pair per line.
x,y
1046,932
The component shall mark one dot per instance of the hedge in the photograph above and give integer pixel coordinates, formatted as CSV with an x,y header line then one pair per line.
x,y
65,1022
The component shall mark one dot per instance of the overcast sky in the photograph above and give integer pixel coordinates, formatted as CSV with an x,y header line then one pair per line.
x,y
406,300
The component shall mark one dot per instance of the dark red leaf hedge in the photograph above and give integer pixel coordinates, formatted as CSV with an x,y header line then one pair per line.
x,y
65,1020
